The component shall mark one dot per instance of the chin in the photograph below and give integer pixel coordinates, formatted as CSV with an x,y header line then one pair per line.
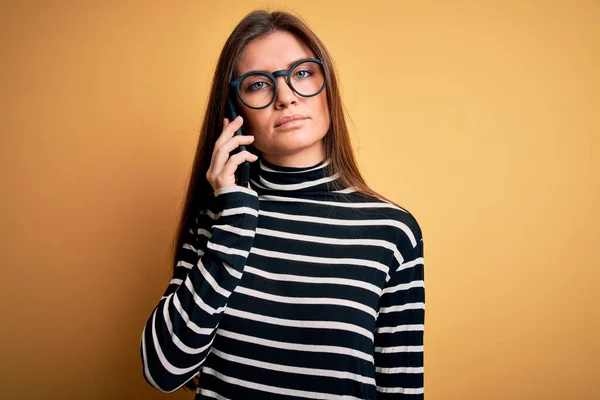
x,y
300,136
294,147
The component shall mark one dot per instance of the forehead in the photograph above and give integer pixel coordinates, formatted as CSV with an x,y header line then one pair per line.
x,y
272,52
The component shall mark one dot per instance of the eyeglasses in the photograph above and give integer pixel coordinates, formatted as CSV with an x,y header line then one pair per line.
x,y
257,89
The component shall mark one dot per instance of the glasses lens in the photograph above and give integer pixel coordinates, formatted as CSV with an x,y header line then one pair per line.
x,y
257,90
307,78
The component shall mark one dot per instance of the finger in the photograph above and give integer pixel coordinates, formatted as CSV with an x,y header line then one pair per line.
x,y
219,140
232,143
235,141
221,154
233,126
229,130
235,160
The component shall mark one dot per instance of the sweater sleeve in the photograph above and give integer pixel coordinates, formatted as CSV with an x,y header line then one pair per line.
x,y
179,333
400,328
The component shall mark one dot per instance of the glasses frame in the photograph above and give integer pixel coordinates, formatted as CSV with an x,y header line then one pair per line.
x,y
235,84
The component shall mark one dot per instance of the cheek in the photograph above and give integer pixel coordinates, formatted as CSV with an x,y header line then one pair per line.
x,y
322,110
255,121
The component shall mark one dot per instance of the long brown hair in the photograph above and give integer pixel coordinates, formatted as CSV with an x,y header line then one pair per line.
x,y
338,148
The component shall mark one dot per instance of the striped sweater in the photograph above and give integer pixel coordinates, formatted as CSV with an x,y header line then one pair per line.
x,y
291,289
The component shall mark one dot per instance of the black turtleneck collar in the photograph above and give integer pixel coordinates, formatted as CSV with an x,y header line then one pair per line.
x,y
271,179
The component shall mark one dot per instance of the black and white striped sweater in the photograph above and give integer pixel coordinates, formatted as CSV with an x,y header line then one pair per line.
x,y
293,290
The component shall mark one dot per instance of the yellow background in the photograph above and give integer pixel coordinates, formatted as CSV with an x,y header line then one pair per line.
x,y
480,117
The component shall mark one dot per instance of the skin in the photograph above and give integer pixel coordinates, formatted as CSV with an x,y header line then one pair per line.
x,y
299,147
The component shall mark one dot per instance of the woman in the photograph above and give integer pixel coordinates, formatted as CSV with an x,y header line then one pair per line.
x,y
305,283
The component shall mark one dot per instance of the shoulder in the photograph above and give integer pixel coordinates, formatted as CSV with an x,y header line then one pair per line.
x,y
408,232
411,235
409,239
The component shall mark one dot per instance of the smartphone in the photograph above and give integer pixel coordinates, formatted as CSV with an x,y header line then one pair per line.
x,y
243,171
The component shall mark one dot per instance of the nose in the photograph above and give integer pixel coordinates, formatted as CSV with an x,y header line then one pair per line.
x,y
285,95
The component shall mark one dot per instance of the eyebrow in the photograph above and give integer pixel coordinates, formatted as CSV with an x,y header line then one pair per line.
x,y
288,66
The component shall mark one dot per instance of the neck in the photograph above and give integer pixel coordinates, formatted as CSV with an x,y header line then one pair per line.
x,y
309,179
305,158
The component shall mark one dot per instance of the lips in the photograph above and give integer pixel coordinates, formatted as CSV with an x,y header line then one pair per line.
x,y
289,118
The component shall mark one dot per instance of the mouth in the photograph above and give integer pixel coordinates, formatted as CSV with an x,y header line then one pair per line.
x,y
291,121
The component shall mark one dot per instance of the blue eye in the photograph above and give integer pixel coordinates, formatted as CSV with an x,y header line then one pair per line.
x,y
256,86
306,74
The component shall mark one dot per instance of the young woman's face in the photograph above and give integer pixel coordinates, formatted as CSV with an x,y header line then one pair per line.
x,y
297,145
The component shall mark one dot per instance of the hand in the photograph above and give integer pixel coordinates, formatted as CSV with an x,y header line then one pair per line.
x,y
221,172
